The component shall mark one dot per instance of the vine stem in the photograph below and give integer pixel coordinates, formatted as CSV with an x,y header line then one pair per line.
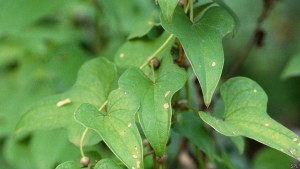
x,y
157,51
81,141
103,105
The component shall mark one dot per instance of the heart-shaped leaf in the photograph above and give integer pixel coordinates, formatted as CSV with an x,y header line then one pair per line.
x,y
95,80
167,8
155,93
202,43
245,115
116,126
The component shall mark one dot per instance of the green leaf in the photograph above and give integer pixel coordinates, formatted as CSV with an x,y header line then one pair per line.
x,y
95,80
245,115
292,69
202,43
167,8
116,126
69,165
136,51
107,164
189,126
263,157
239,142
142,27
19,13
155,94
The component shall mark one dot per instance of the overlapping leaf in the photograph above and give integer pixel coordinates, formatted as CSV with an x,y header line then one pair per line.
x,y
107,164
245,115
116,126
142,28
202,43
189,126
69,165
167,8
95,80
155,94
136,51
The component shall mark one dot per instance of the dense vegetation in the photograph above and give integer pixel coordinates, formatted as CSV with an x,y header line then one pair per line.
x,y
149,84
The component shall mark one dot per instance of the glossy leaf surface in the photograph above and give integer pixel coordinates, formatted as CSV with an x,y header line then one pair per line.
x,y
95,80
202,43
155,93
116,126
245,115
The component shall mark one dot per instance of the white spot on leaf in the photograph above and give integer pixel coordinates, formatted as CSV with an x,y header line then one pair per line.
x,y
254,90
267,124
134,156
132,167
122,55
129,125
213,64
167,93
298,144
138,164
295,139
166,105
63,102
150,23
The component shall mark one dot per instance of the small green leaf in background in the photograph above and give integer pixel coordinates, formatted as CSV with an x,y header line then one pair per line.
x,y
95,80
143,27
202,43
189,126
292,68
269,159
136,51
245,115
20,13
69,165
107,164
155,94
167,8
116,126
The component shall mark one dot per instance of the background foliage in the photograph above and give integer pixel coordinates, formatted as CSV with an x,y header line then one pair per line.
x,y
44,43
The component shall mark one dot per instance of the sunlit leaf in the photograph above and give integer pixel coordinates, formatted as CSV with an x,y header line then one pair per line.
x,y
95,80
116,126
155,93
202,43
245,115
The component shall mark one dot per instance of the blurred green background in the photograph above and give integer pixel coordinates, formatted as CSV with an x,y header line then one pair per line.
x,y
43,44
